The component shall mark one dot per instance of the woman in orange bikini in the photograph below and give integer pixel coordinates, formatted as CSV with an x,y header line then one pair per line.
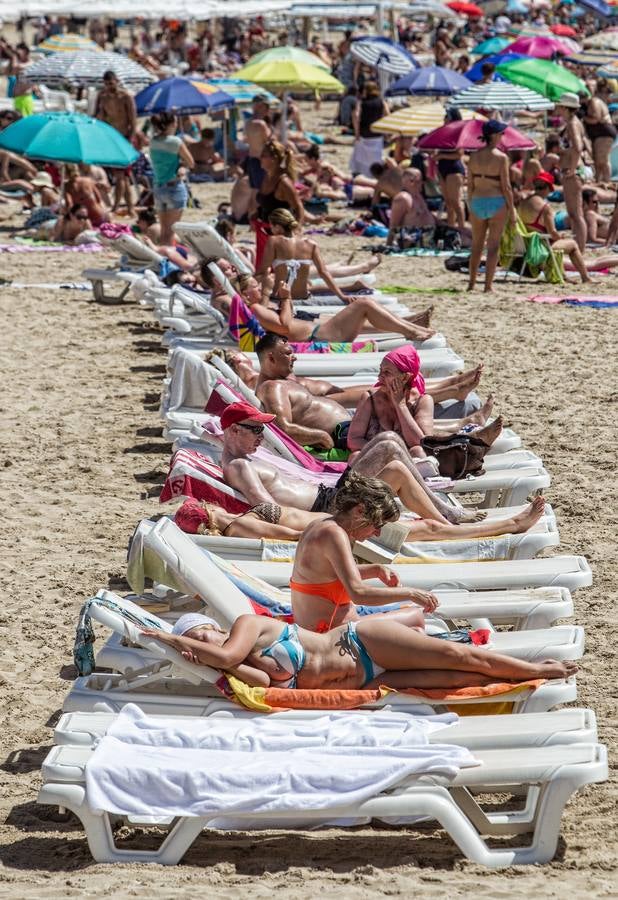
x,y
326,581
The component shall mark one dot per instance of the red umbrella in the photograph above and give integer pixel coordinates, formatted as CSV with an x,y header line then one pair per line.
x,y
465,9
563,30
468,136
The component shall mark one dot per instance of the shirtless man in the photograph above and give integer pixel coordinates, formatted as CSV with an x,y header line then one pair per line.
x,y
389,180
116,106
207,160
597,225
409,208
257,132
260,482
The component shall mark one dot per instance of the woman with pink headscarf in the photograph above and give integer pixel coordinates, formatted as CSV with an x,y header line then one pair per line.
x,y
400,403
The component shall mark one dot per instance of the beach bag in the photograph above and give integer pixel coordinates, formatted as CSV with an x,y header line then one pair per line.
x,y
458,455
446,238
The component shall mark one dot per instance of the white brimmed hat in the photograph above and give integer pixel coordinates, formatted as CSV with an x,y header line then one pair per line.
x,y
571,101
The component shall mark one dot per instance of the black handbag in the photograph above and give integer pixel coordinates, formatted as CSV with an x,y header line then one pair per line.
x,y
458,455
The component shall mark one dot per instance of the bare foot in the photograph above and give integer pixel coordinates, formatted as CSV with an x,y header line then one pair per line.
x,y
490,432
422,318
416,333
529,516
481,415
465,516
553,668
468,381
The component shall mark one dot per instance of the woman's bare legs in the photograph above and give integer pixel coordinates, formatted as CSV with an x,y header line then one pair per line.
x,y
403,649
427,530
494,235
347,324
601,148
451,191
168,219
572,190
569,246
479,233
456,387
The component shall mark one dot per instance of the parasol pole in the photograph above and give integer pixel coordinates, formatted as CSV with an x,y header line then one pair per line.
x,y
225,132
284,118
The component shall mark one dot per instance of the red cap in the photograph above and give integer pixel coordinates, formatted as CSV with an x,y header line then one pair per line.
x,y
546,178
238,412
191,517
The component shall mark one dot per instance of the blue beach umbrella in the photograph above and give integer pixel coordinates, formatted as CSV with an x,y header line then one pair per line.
x,y
429,81
475,74
243,91
184,96
491,45
70,138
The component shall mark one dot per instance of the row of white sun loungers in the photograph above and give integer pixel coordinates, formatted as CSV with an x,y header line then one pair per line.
x,y
538,753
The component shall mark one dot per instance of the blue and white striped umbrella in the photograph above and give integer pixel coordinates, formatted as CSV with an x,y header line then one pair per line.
x,y
430,81
383,54
243,91
500,95
86,67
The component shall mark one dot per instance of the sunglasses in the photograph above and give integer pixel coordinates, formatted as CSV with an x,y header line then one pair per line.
x,y
255,429
81,217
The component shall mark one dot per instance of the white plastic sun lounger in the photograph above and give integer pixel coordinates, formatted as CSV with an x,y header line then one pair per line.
x,y
571,572
169,685
561,726
552,773
135,257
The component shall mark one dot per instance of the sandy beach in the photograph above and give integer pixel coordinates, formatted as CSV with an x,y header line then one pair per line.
x,y
82,460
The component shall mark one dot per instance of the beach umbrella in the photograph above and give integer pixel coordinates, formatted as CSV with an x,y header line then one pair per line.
x,y
540,47
289,54
491,45
414,120
563,30
286,76
70,138
609,70
67,43
465,9
184,96
468,136
426,8
475,73
544,77
383,54
429,81
593,58
500,95
86,67
242,91
606,40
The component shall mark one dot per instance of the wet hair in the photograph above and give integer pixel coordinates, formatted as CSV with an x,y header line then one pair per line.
x,y
162,121
377,169
588,194
225,227
109,74
285,219
376,497
283,156
268,342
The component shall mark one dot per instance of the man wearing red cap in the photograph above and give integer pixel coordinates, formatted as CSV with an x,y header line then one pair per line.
x,y
536,213
261,482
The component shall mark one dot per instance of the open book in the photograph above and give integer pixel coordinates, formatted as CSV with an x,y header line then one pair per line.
x,y
386,547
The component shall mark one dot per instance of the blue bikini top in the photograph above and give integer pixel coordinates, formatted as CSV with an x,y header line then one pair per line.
x,y
288,653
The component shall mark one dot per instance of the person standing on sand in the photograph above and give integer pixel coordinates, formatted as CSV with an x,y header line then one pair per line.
x,y
116,106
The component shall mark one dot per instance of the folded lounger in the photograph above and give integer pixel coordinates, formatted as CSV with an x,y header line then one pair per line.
x,y
135,257
554,773
169,685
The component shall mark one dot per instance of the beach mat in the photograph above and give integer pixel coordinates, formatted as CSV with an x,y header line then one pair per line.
x,y
595,301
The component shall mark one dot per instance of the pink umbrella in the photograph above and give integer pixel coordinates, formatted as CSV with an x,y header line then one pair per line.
x,y
468,136
540,46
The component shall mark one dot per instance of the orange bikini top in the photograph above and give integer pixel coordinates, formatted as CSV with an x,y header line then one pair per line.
x,y
333,591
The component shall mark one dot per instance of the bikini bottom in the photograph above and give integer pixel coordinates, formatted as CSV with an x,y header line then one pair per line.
x,y
486,207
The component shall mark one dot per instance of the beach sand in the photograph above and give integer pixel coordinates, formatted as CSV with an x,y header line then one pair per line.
x,y
82,460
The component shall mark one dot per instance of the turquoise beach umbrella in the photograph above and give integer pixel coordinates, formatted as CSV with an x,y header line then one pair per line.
x,y
68,137
491,45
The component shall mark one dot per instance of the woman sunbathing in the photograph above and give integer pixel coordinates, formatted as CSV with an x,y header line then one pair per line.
x,y
366,654
399,402
271,522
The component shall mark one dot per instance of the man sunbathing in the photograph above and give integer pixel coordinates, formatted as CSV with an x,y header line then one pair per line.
x,y
261,482
453,396
409,210
314,412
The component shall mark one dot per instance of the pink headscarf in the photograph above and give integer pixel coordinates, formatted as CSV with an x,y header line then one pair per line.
x,y
191,517
406,359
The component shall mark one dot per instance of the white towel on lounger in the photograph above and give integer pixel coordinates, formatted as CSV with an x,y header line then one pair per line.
x,y
224,769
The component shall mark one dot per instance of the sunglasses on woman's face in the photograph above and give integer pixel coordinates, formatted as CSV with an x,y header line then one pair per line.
x,y
255,429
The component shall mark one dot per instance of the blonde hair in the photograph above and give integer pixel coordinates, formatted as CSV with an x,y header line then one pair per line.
x,y
283,156
376,497
285,220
